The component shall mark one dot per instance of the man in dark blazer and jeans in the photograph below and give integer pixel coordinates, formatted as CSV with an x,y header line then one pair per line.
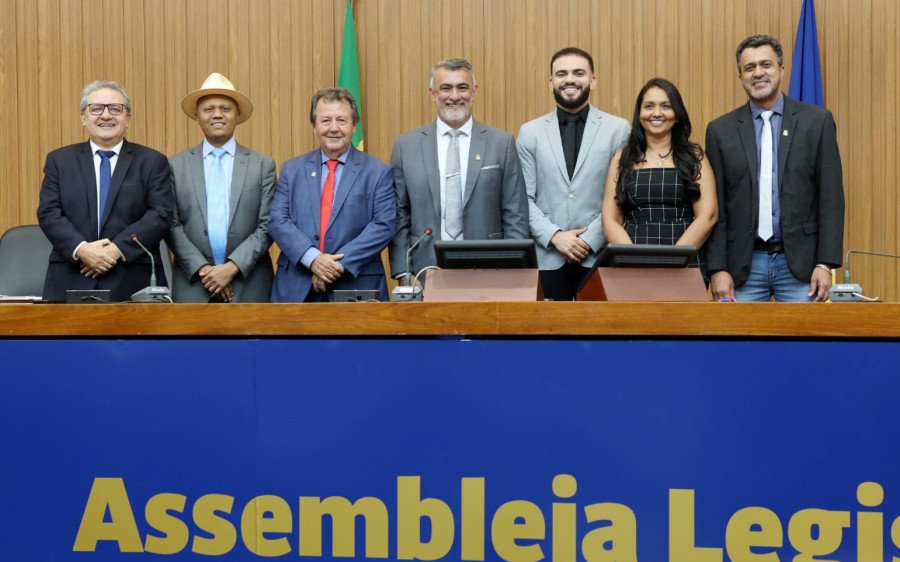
x,y
780,189
96,195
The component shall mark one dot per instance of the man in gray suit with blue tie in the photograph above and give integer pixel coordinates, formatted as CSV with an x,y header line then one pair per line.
x,y
565,156
454,178
223,190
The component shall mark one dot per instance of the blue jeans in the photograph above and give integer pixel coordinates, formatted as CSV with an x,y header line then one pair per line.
x,y
770,276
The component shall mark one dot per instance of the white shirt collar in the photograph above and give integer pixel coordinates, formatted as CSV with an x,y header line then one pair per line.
x,y
466,128
117,149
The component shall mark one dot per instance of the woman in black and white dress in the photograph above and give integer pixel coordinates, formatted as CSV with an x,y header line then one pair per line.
x,y
660,189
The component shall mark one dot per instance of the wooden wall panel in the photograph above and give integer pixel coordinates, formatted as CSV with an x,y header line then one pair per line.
x,y
280,51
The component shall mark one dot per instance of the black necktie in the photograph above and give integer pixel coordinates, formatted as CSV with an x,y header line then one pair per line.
x,y
570,141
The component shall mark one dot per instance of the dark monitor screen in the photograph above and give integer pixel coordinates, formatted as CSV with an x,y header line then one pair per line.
x,y
641,255
485,254
645,255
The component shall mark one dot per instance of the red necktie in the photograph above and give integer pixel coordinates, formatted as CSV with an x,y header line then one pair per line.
x,y
326,201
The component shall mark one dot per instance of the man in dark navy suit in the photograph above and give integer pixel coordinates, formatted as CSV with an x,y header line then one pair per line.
x,y
97,195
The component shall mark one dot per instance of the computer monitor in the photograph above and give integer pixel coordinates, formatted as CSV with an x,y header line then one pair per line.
x,y
645,255
485,254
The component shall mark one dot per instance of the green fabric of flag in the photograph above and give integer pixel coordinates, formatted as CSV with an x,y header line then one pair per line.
x,y
348,73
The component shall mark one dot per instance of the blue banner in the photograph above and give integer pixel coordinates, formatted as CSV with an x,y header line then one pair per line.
x,y
699,451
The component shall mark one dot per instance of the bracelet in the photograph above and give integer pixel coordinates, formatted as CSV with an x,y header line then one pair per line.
x,y
824,267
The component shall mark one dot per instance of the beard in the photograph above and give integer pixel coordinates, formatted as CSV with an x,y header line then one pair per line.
x,y
768,94
457,114
574,103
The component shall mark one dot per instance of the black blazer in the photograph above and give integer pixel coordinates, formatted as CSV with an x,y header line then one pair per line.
x,y
810,190
140,201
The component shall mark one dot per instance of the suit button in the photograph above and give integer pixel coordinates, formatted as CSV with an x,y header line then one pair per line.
x,y
316,237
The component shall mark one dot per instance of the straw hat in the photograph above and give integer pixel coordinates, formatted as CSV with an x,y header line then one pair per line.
x,y
216,84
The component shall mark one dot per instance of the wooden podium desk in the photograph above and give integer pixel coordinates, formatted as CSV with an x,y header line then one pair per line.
x,y
525,319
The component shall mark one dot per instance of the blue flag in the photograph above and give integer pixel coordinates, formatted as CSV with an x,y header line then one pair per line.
x,y
806,70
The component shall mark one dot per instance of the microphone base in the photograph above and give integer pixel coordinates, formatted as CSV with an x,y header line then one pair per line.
x,y
846,292
406,294
152,294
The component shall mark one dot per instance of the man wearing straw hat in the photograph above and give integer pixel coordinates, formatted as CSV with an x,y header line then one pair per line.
x,y
223,190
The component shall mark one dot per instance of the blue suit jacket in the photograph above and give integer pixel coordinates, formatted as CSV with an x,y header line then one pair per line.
x,y
361,224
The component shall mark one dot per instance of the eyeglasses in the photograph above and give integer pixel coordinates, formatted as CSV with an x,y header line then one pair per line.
x,y
115,109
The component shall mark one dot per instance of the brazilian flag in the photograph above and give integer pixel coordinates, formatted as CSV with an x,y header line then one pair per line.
x,y
348,73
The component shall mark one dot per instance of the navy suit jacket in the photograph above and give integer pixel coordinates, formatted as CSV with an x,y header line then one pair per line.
x,y
140,202
361,225
810,190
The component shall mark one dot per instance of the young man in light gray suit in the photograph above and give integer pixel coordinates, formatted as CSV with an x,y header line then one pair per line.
x,y
455,177
223,190
565,156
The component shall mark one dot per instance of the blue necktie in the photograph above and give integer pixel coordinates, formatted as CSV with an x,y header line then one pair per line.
x,y
217,207
105,179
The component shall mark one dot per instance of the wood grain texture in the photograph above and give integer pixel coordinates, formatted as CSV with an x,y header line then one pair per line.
x,y
732,320
280,51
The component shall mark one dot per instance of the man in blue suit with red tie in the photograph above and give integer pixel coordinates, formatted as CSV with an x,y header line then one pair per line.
x,y
333,211
97,195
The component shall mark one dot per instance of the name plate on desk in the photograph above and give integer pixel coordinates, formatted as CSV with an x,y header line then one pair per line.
x,y
647,284
474,285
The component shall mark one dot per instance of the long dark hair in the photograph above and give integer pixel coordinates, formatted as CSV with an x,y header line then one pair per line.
x,y
686,154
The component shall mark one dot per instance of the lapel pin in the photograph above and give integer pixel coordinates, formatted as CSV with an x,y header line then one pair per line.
x,y
313,174
784,133
477,157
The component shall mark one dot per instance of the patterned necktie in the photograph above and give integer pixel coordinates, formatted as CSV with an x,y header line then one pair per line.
x,y
764,229
326,201
217,206
105,179
453,196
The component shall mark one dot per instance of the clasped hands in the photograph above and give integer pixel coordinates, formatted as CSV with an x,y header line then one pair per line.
x,y
325,269
570,244
98,257
217,279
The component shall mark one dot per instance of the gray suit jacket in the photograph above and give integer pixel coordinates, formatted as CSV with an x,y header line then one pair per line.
x,y
494,205
557,203
810,188
252,188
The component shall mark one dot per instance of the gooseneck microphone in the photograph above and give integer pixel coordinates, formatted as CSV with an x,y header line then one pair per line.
x,y
151,293
847,260
134,239
848,290
406,293
425,235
